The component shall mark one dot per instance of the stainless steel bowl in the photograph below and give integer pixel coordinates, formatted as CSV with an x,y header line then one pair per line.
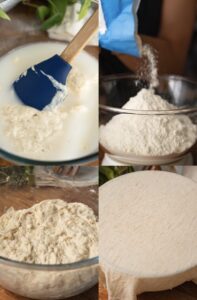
x,y
116,90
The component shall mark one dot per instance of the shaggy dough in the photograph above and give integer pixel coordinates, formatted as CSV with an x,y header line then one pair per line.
x,y
50,232
148,232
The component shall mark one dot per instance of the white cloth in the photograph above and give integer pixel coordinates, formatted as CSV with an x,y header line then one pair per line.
x,y
148,233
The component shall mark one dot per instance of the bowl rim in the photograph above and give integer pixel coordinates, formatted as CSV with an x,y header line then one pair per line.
x,y
85,159
28,161
55,267
112,109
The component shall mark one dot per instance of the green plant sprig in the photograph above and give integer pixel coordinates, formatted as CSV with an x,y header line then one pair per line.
x,y
52,12
108,173
3,15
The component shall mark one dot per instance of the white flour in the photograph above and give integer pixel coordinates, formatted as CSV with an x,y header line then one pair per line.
x,y
147,100
148,70
30,129
148,135
51,232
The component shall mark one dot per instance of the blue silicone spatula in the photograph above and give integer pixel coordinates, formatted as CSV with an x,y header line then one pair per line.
x,y
35,88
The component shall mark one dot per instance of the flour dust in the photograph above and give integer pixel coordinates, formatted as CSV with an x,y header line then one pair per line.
x,y
148,70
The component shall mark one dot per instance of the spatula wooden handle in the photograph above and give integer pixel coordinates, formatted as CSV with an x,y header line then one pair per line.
x,y
82,38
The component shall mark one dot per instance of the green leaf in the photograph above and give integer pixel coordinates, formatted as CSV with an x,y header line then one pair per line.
x,y
59,6
3,15
53,5
71,2
56,12
42,12
108,173
52,12
85,5
50,22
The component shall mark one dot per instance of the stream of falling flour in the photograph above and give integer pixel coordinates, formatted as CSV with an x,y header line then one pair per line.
x,y
149,68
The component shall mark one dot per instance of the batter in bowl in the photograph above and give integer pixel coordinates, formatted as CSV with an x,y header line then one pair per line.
x,y
65,131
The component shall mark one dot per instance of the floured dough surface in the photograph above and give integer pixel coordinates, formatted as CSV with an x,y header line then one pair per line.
x,y
148,224
50,232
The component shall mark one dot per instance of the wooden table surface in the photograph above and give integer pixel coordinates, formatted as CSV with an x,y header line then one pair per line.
x,y
24,197
24,28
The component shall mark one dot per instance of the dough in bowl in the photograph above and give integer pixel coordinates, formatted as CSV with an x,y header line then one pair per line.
x,y
148,233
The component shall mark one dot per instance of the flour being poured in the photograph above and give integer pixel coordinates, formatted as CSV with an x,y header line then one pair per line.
x,y
149,69
50,232
148,135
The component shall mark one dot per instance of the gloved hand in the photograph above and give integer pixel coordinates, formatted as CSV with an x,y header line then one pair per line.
x,y
118,26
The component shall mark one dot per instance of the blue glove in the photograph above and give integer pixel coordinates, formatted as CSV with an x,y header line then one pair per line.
x,y
121,26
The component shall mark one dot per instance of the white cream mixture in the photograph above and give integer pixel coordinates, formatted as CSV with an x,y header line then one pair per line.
x,y
68,131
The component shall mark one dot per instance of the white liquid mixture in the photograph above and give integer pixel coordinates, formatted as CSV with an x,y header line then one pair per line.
x,y
77,133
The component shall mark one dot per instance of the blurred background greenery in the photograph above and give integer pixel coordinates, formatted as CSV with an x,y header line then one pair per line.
x,y
16,175
108,173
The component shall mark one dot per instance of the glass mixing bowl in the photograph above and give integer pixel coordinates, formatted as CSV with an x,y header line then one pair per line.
x,y
45,281
116,90
24,29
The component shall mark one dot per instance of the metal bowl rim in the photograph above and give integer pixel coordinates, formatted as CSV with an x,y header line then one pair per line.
x,y
147,112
